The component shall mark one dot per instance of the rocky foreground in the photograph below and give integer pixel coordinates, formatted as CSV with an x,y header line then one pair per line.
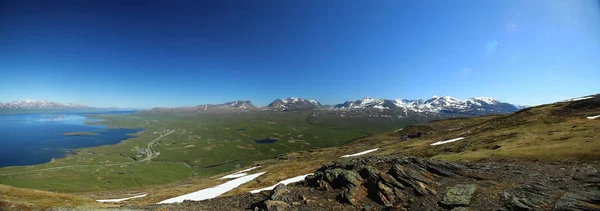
x,y
408,183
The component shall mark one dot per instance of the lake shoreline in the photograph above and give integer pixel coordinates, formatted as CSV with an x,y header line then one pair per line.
x,y
56,136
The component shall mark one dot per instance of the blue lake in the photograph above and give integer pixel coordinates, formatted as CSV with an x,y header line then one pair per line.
x,y
27,139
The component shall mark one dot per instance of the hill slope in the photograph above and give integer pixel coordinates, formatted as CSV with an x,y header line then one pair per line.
x,y
540,158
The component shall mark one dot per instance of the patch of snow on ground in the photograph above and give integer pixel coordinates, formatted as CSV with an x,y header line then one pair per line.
x,y
285,182
239,173
593,117
213,192
577,99
119,200
360,153
447,141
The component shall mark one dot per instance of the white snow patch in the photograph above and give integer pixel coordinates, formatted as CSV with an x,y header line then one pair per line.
x,y
593,117
119,200
360,153
285,182
379,107
233,176
485,99
577,99
213,192
239,173
447,141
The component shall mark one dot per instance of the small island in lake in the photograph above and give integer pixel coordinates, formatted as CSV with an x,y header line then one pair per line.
x,y
80,134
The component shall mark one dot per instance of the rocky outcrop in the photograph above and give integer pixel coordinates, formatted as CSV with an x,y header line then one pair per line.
x,y
409,183
579,200
393,183
527,197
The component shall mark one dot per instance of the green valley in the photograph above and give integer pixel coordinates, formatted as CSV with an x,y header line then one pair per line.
x,y
183,146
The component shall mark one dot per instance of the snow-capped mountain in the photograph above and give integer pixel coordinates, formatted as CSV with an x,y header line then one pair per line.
x,y
294,103
446,104
40,104
235,105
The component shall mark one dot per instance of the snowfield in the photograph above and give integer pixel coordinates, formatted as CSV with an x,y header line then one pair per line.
x,y
447,141
239,173
360,153
119,200
285,182
213,192
593,117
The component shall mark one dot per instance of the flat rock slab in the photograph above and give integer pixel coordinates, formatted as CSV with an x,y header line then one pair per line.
x,y
534,196
580,200
459,195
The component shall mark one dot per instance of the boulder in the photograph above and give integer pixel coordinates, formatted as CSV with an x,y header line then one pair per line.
x,y
272,205
459,195
278,192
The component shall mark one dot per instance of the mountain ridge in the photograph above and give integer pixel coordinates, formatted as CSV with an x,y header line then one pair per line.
x,y
41,104
475,105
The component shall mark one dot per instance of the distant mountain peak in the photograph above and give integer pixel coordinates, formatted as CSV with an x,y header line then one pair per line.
x,y
294,103
238,104
40,104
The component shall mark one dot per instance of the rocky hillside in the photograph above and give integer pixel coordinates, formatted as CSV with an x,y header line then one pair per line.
x,y
409,183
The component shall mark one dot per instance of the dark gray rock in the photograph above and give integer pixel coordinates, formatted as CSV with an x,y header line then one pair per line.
x,y
581,200
527,197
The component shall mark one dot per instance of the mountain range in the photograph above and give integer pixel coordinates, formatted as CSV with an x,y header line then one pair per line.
x,y
444,106
40,104
45,106
367,107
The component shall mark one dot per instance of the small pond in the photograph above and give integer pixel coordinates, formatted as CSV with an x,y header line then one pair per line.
x,y
265,141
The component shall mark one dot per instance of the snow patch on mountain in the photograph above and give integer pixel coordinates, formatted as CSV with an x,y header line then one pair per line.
x,y
434,104
294,103
40,104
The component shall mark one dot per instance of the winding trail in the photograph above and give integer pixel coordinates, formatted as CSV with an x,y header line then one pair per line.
x,y
150,151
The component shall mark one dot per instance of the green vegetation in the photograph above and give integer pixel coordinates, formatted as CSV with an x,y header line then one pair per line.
x,y
85,133
188,146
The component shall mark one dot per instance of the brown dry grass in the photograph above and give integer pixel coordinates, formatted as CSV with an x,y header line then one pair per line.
x,y
22,197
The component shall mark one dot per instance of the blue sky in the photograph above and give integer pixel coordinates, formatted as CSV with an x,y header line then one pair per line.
x,y
174,53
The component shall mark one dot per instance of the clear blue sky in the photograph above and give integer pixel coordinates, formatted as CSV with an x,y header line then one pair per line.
x,y
173,53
